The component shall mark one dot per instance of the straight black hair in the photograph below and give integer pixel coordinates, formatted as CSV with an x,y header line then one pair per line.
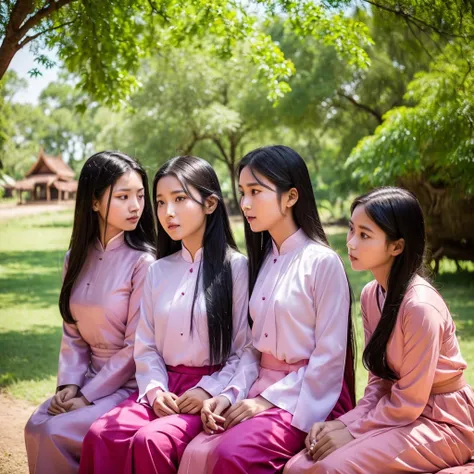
x,y
99,173
286,169
398,213
218,245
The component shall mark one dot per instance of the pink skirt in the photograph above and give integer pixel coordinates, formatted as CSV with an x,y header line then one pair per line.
x,y
131,438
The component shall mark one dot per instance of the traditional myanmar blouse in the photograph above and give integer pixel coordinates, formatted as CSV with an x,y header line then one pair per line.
x,y
299,307
97,352
164,335
422,350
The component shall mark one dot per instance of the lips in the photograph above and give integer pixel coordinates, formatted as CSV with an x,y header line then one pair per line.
x,y
172,226
250,218
352,258
133,219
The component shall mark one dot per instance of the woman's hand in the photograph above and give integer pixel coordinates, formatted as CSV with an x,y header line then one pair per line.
x,y
211,412
165,404
245,410
57,405
330,442
76,403
190,402
318,430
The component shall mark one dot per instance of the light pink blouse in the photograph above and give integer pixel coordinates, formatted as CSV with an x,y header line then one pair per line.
x,y
422,350
299,307
97,353
163,334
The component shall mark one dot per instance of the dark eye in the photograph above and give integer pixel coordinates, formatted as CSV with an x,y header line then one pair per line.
x,y
159,203
255,191
364,235
123,197
180,198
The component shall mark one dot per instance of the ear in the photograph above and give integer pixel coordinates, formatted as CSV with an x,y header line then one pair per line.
x,y
95,205
397,247
292,197
210,204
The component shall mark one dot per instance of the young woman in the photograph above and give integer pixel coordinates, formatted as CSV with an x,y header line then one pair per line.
x,y
417,414
110,251
300,309
193,328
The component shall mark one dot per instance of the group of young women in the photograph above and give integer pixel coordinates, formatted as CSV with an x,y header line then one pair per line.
x,y
181,355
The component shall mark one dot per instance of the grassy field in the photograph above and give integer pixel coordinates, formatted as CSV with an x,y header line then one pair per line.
x,y
31,257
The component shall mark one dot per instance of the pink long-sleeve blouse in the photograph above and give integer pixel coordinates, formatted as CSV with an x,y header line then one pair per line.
x,y
97,352
422,350
299,307
163,334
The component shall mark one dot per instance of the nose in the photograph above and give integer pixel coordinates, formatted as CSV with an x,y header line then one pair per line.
x,y
170,212
350,241
245,204
134,204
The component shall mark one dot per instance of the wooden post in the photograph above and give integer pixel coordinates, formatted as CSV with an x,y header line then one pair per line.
x,y
48,193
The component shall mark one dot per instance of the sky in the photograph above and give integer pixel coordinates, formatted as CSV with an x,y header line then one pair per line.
x,y
23,62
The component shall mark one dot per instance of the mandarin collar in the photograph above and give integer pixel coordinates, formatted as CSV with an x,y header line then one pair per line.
x,y
113,243
187,255
294,241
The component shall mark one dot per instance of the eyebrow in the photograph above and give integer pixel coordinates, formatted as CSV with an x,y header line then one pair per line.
x,y
127,189
254,183
364,227
173,192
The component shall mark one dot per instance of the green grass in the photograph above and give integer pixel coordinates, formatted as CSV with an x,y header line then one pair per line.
x,y
31,257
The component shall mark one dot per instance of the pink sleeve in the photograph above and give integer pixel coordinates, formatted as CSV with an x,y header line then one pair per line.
x,y
422,328
151,373
376,386
121,366
74,354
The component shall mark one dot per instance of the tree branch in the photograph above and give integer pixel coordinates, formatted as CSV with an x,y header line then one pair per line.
x,y
361,106
28,39
221,149
418,38
414,19
43,13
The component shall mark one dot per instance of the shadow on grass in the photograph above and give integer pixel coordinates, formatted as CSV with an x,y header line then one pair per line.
x,y
56,225
29,355
458,290
31,278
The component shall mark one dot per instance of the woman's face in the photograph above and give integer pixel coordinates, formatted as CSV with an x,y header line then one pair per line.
x,y
126,204
179,215
260,204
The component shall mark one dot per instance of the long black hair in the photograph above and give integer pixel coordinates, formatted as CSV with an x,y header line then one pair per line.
x,y
286,169
398,213
218,244
99,173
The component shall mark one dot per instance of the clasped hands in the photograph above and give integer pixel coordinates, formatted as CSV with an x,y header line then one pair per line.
x,y
214,408
168,403
325,437
67,399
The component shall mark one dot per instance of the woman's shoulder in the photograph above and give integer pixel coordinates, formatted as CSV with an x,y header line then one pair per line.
x,y
238,261
421,297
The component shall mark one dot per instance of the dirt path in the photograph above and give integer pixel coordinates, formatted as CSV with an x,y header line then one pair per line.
x,y
13,210
13,416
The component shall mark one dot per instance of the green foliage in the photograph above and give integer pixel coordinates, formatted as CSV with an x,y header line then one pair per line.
x,y
433,135
105,42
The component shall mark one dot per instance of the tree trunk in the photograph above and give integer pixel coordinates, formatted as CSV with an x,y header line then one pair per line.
x,y
234,141
20,23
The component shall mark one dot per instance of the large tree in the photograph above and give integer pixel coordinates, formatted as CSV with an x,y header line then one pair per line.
x,y
103,42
